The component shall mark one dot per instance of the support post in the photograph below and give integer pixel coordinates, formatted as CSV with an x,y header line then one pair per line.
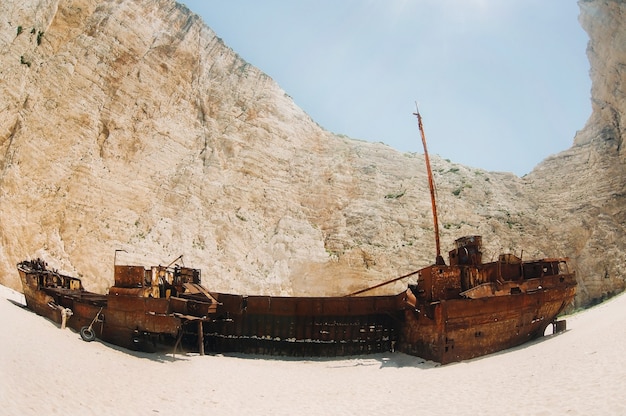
x,y
200,337
65,314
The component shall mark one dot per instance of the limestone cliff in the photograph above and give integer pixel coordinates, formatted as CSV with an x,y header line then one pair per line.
x,y
130,125
583,189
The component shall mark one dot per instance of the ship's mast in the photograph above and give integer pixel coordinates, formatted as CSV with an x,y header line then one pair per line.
x,y
439,259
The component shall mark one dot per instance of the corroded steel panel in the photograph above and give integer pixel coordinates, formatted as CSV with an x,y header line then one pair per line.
x,y
309,306
178,305
130,276
230,304
446,283
125,303
156,305
303,335
128,291
160,324
199,308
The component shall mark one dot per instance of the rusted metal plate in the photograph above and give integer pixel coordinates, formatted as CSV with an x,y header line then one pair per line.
x,y
303,335
128,291
130,276
310,306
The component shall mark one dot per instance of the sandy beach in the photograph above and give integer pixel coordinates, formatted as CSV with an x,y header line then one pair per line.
x,y
46,370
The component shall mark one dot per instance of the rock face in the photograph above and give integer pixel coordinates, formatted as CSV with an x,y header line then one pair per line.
x,y
129,125
584,188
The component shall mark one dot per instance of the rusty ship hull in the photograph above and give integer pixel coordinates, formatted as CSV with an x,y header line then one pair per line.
x,y
451,313
134,314
460,329
449,331
305,326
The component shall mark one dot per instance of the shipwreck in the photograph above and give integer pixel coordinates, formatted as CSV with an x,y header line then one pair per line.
x,y
450,311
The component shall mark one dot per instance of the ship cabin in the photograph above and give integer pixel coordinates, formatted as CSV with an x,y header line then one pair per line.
x,y
40,277
467,276
155,282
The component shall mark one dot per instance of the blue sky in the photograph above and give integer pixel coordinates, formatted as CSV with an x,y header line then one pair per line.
x,y
501,84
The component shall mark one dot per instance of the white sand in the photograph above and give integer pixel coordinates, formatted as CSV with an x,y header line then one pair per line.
x,y
48,371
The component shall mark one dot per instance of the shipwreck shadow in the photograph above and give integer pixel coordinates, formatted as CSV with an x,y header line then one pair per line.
x,y
387,360
159,356
379,360
18,304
